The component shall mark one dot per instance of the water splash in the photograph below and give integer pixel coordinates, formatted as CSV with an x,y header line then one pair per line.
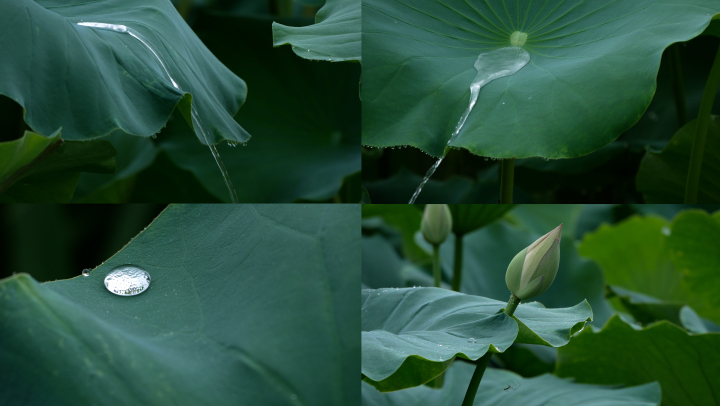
x,y
490,66
197,123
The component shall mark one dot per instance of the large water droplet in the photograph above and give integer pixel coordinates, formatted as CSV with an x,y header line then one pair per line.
x,y
86,272
127,280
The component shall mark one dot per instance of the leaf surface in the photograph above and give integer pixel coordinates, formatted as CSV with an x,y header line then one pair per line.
x,y
93,82
334,37
686,366
499,387
248,304
591,73
409,336
37,169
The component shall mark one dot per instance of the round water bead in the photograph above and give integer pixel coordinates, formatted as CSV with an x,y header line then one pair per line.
x,y
127,280
86,272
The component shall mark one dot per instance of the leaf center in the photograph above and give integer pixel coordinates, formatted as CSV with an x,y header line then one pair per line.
x,y
518,38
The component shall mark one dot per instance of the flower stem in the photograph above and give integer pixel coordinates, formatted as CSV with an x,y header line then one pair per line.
x,y
678,85
507,174
512,305
701,128
483,362
457,263
476,378
436,264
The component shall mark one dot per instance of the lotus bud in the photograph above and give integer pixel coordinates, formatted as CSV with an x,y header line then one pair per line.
x,y
533,269
436,223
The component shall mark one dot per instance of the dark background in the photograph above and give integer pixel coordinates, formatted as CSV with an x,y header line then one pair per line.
x,y
58,241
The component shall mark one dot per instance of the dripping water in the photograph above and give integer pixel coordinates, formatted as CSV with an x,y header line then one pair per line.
x,y
197,123
490,66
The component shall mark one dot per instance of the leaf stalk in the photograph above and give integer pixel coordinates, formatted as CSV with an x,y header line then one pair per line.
x,y
485,359
457,263
436,264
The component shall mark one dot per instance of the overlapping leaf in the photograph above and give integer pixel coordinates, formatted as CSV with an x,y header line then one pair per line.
x,y
686,366
636,255
93,82
591,74
500,387
37,169
409,336
251,305
334,37
662,176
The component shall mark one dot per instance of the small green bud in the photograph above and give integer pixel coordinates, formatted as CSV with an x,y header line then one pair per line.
x,y
533,269
436,223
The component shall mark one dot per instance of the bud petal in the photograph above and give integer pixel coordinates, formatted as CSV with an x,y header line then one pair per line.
x,y
533,269
436,223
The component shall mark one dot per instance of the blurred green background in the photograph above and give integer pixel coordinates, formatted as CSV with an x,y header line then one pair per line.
x,y
58,241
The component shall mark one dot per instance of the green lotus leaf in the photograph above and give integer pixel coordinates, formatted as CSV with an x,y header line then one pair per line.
x,y
251,305
334,37
37,169
500,387
662,176
93,82
636,255
410,336
687,366
591,73
647,310
693,249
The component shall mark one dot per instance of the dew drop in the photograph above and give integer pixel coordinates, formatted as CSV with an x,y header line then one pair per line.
x,y
86,272
127,280
472,340
154,136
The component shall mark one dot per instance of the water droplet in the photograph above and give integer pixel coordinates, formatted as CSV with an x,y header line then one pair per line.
x,y
154,136
666,231
86,272
127,280
472,340
547,159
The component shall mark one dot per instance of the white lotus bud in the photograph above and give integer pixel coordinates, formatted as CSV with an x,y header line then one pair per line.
x,y
436,223
533,269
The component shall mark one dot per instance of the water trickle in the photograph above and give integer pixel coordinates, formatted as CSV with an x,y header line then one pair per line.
x,y
127,280
197,123
490,66
86,272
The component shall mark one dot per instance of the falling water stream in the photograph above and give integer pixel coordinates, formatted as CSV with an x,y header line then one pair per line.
x,y
197,123
490,66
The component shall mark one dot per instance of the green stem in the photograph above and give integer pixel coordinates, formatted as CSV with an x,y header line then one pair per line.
x,y
507,173
476,378
512,305
436,264
678,85
701,128
483,362
457,263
